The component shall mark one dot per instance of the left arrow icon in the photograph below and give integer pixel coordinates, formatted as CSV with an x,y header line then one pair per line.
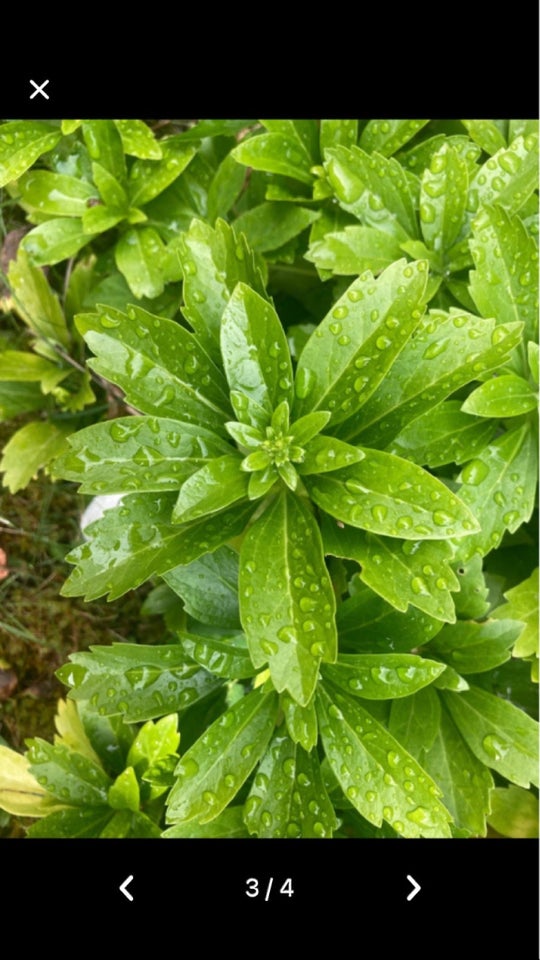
x,y
125,885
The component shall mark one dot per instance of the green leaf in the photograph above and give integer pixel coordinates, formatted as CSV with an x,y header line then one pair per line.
x,y
104,145
505,396
498,733
22,142
218,484
212,771
124,793
154,742
229,825
507,178
20,793
111,191
373,188
471,602
287,603
532,354
415,721
447,352
301,721
451,680
522,605
18,398
271,225
146,544
324,454
227,657
138,140
29,449
486,134
305,133
55,240
353,348
276,153
334,132
72,824
380,676
444,434
476,647
377,775
99,218
394,497
504,283
417,158
354,249
55,194
35,302
443,199
209,588
255,356
368,624
465,782
67,775
514,813
411,572
159,365
388,136
213,262
136,682
499,485
226,185
26,367
148,178
139,256
136,453
288,797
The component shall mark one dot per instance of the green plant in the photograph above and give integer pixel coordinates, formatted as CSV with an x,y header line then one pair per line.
x,y
331,504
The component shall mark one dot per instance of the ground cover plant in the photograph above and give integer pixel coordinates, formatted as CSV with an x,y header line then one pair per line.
x,y
313,382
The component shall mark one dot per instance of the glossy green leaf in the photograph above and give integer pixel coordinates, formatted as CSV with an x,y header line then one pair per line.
x,y
148,178
213,262
451,680
533,354
124,793
136,682
507,178
138,139
209,587
522,605
142,454
139,255
476,647
415,721
29,449
504,283
354,249
301,721
471,601
212,771
56,194
73,823
324,454
110,190
373,188
287,603
338,132
379,777
417,158
380,676
67,775
20,793
99,218
499,734
499,485
448,351
270,225
504,396
465,782
304,132
104,145
21,143
154,742
394,497
444,434
146,544
225,187
368,624
404,572
35,302
55,240
158,364
276,153
353,348
227,657
228,826
486,134
255,356
218,484
514,813
288,797
388,136
443,199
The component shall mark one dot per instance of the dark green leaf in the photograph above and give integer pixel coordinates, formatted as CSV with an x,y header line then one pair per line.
x,y
18,398
380,676
444,434
227,657
415,721
209,587
21,143
211,773
499,734
229,825
368,624
287,603
271,225
72,823
476,647
134,681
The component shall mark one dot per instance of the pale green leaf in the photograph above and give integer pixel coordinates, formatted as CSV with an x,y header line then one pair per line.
x,y
514,812
353,250
388,136
522,604
22,142
504,396
35,302
30,449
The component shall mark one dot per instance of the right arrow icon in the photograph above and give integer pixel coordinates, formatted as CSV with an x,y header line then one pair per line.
x,y
415,887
